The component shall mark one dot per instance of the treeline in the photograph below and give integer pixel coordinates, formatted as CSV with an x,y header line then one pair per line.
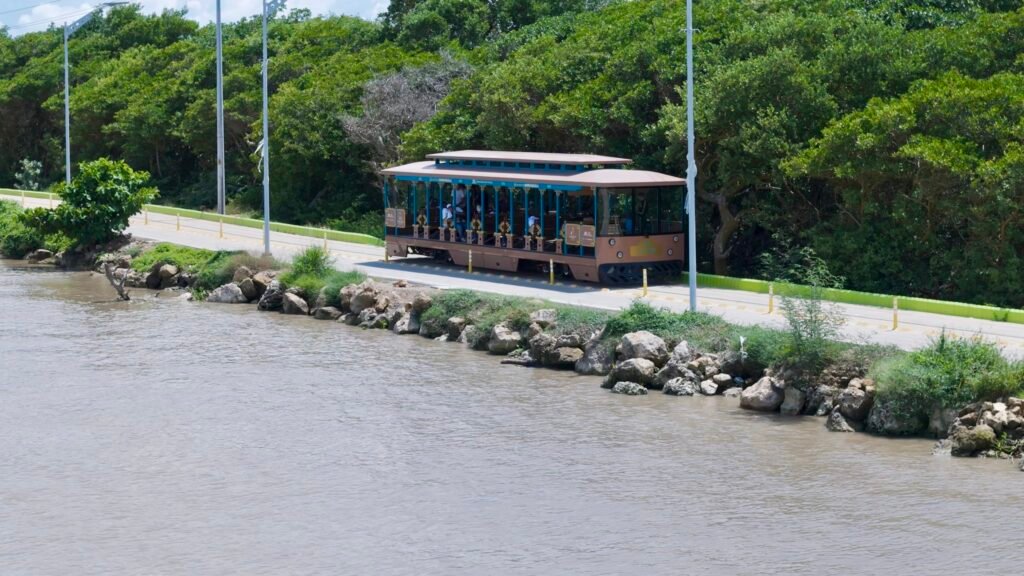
x,y
884,134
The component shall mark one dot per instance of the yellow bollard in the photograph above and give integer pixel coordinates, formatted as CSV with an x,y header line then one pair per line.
x,y
551,271
470,261
22,198
145,216
645,283
221,231
51,200
177,222
895,313
326,249
771,298
387,256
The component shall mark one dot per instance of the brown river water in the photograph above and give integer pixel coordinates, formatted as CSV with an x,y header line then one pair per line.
x,y
168,437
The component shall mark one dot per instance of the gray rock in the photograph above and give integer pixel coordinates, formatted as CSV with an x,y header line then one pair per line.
x,y
672,370
792,401
821,400
272,299
708,388
644,345
241,273
995,419
764,396
407,324
571,340
596,360
544,318
292,304
455,326
855,403
629,389
422,302
325,312
723,380
432,328
248,288
227,294
883,419
533,330
837,422
971,441
168,273
542,344
367,318
39,255
940,420
680,387
640,370
503,339
365,298
733,392
153,279
732,362
519,358
681,353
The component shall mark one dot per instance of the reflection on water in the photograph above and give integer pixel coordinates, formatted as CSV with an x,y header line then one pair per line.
x,y
161,436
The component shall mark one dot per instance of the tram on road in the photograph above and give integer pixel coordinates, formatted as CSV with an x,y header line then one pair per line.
x,y
588,216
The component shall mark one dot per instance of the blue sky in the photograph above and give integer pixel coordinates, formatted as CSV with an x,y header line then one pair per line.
x,y
22,16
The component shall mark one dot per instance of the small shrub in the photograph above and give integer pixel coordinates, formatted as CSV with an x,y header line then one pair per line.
x,y
28,177
765,346
949,373
17,239
312,261
338,280
701,330
580,320
1002,382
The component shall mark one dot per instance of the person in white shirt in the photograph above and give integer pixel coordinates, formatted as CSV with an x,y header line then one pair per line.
x,y
446,215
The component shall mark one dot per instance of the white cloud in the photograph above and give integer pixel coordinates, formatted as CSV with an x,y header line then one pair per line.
x,y
40,17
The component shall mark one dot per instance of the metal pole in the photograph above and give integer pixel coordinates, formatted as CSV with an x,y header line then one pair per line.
x,y
67,113
266,142
221,184
691,164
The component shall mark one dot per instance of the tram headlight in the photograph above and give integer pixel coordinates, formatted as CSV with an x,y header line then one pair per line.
x,y
618,254
669,251
611,241
675,238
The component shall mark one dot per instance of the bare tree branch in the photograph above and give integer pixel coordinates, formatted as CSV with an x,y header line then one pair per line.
x,y
117,283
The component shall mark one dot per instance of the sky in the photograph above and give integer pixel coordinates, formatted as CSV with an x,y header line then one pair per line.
x,y
21,16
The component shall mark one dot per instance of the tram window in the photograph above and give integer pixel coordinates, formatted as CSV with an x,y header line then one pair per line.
x,y
671,209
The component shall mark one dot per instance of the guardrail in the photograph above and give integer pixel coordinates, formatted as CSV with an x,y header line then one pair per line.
x,y
905,303
297,230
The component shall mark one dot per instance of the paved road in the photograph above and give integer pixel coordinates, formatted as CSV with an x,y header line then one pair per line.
x,y
864,323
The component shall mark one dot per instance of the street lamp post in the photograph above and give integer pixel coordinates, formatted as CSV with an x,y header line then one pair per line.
x,y
221,184
270,7
691,164
70,29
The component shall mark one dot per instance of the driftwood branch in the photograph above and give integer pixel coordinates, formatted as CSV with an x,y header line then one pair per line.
x,y
117,283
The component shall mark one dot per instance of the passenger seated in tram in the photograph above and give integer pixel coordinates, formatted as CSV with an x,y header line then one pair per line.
x,y
460,212
447,220
475,228
533,233
503,230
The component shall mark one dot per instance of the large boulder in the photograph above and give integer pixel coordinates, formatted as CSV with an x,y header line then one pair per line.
x,y
421,302
365,298
293,304
793,401
644,345
432,327
884,419
680,387
971,441
675,368
407,324
629,389
153,279
820,400
38,255
681,353
541,345
708,388
455,325
326,313
940,420
596,359
739,364
241,273
227,294
261,281
855,403
503,339
562,358
272,299
640,370
168,275
248,288
765,395
838,423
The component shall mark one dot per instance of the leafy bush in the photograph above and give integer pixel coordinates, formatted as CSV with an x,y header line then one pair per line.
x,y
702,330
1002,382
313,270
16,239
29,176
97,204
949,373
765,346
314,261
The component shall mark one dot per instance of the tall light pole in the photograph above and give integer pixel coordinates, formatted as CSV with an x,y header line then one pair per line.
x,y
269,7
221,185
70,29
691,163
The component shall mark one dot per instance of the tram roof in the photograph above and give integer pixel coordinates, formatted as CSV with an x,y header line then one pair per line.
x,y
429,171
532,157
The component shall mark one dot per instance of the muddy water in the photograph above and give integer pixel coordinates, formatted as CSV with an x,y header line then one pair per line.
x,y
165,437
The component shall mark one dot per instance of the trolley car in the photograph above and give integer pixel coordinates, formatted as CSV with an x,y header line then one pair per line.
x,y
586,215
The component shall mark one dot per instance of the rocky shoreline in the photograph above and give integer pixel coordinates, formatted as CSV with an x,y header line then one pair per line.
x,y
635,364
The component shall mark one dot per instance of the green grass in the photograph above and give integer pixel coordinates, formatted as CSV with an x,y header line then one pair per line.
x,y
16,239
185,258
312,270
948,373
